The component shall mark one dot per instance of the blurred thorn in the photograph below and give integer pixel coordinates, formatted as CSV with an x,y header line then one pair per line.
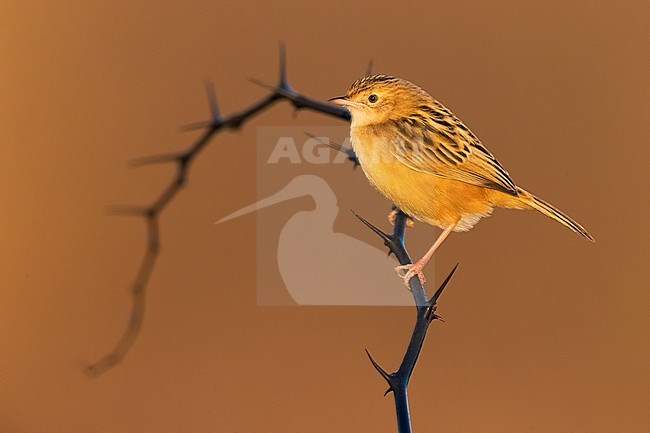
x,y
212,99
370,65
282,79
279,91
338,147
198,125
128,211
155,159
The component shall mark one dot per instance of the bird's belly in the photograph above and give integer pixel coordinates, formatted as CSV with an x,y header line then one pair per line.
x,y
429,198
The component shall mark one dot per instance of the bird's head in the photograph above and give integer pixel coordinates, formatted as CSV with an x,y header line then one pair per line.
x,y
379,98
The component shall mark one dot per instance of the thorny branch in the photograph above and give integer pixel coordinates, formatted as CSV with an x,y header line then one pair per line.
x,y
397,381
426,313
151,213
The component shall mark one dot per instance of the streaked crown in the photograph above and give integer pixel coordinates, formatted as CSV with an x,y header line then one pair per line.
x,y
383,97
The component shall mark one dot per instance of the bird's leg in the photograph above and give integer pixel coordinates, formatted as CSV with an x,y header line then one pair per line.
x,y
391,217
408,271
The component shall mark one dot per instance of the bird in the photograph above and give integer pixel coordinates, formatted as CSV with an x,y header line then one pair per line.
x,y
416,153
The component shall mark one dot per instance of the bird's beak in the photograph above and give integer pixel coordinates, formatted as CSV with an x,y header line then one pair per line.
x,y
344,101
339,100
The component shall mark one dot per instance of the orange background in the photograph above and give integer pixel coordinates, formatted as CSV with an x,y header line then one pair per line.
x,y
544,332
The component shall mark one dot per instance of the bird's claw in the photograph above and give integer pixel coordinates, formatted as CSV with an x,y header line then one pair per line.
x,y
409,271
391,218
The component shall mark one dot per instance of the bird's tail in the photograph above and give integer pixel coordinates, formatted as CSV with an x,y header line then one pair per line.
x,y
533,202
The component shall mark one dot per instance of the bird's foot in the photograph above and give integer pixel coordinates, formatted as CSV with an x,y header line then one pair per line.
x,y
411,270
391,217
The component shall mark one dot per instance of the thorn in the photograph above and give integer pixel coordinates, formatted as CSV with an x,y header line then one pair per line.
x,y
386,237
262,84
155,159
212,100
370,65
339,148
199,125
388,391
282,81
436,295
389,241
381,371
327,143
128,211
277,90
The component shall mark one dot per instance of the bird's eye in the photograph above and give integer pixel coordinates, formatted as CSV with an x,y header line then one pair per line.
x,y
372,98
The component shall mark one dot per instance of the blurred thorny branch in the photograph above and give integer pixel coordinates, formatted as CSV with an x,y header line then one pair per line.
x,y
182,160
397,381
